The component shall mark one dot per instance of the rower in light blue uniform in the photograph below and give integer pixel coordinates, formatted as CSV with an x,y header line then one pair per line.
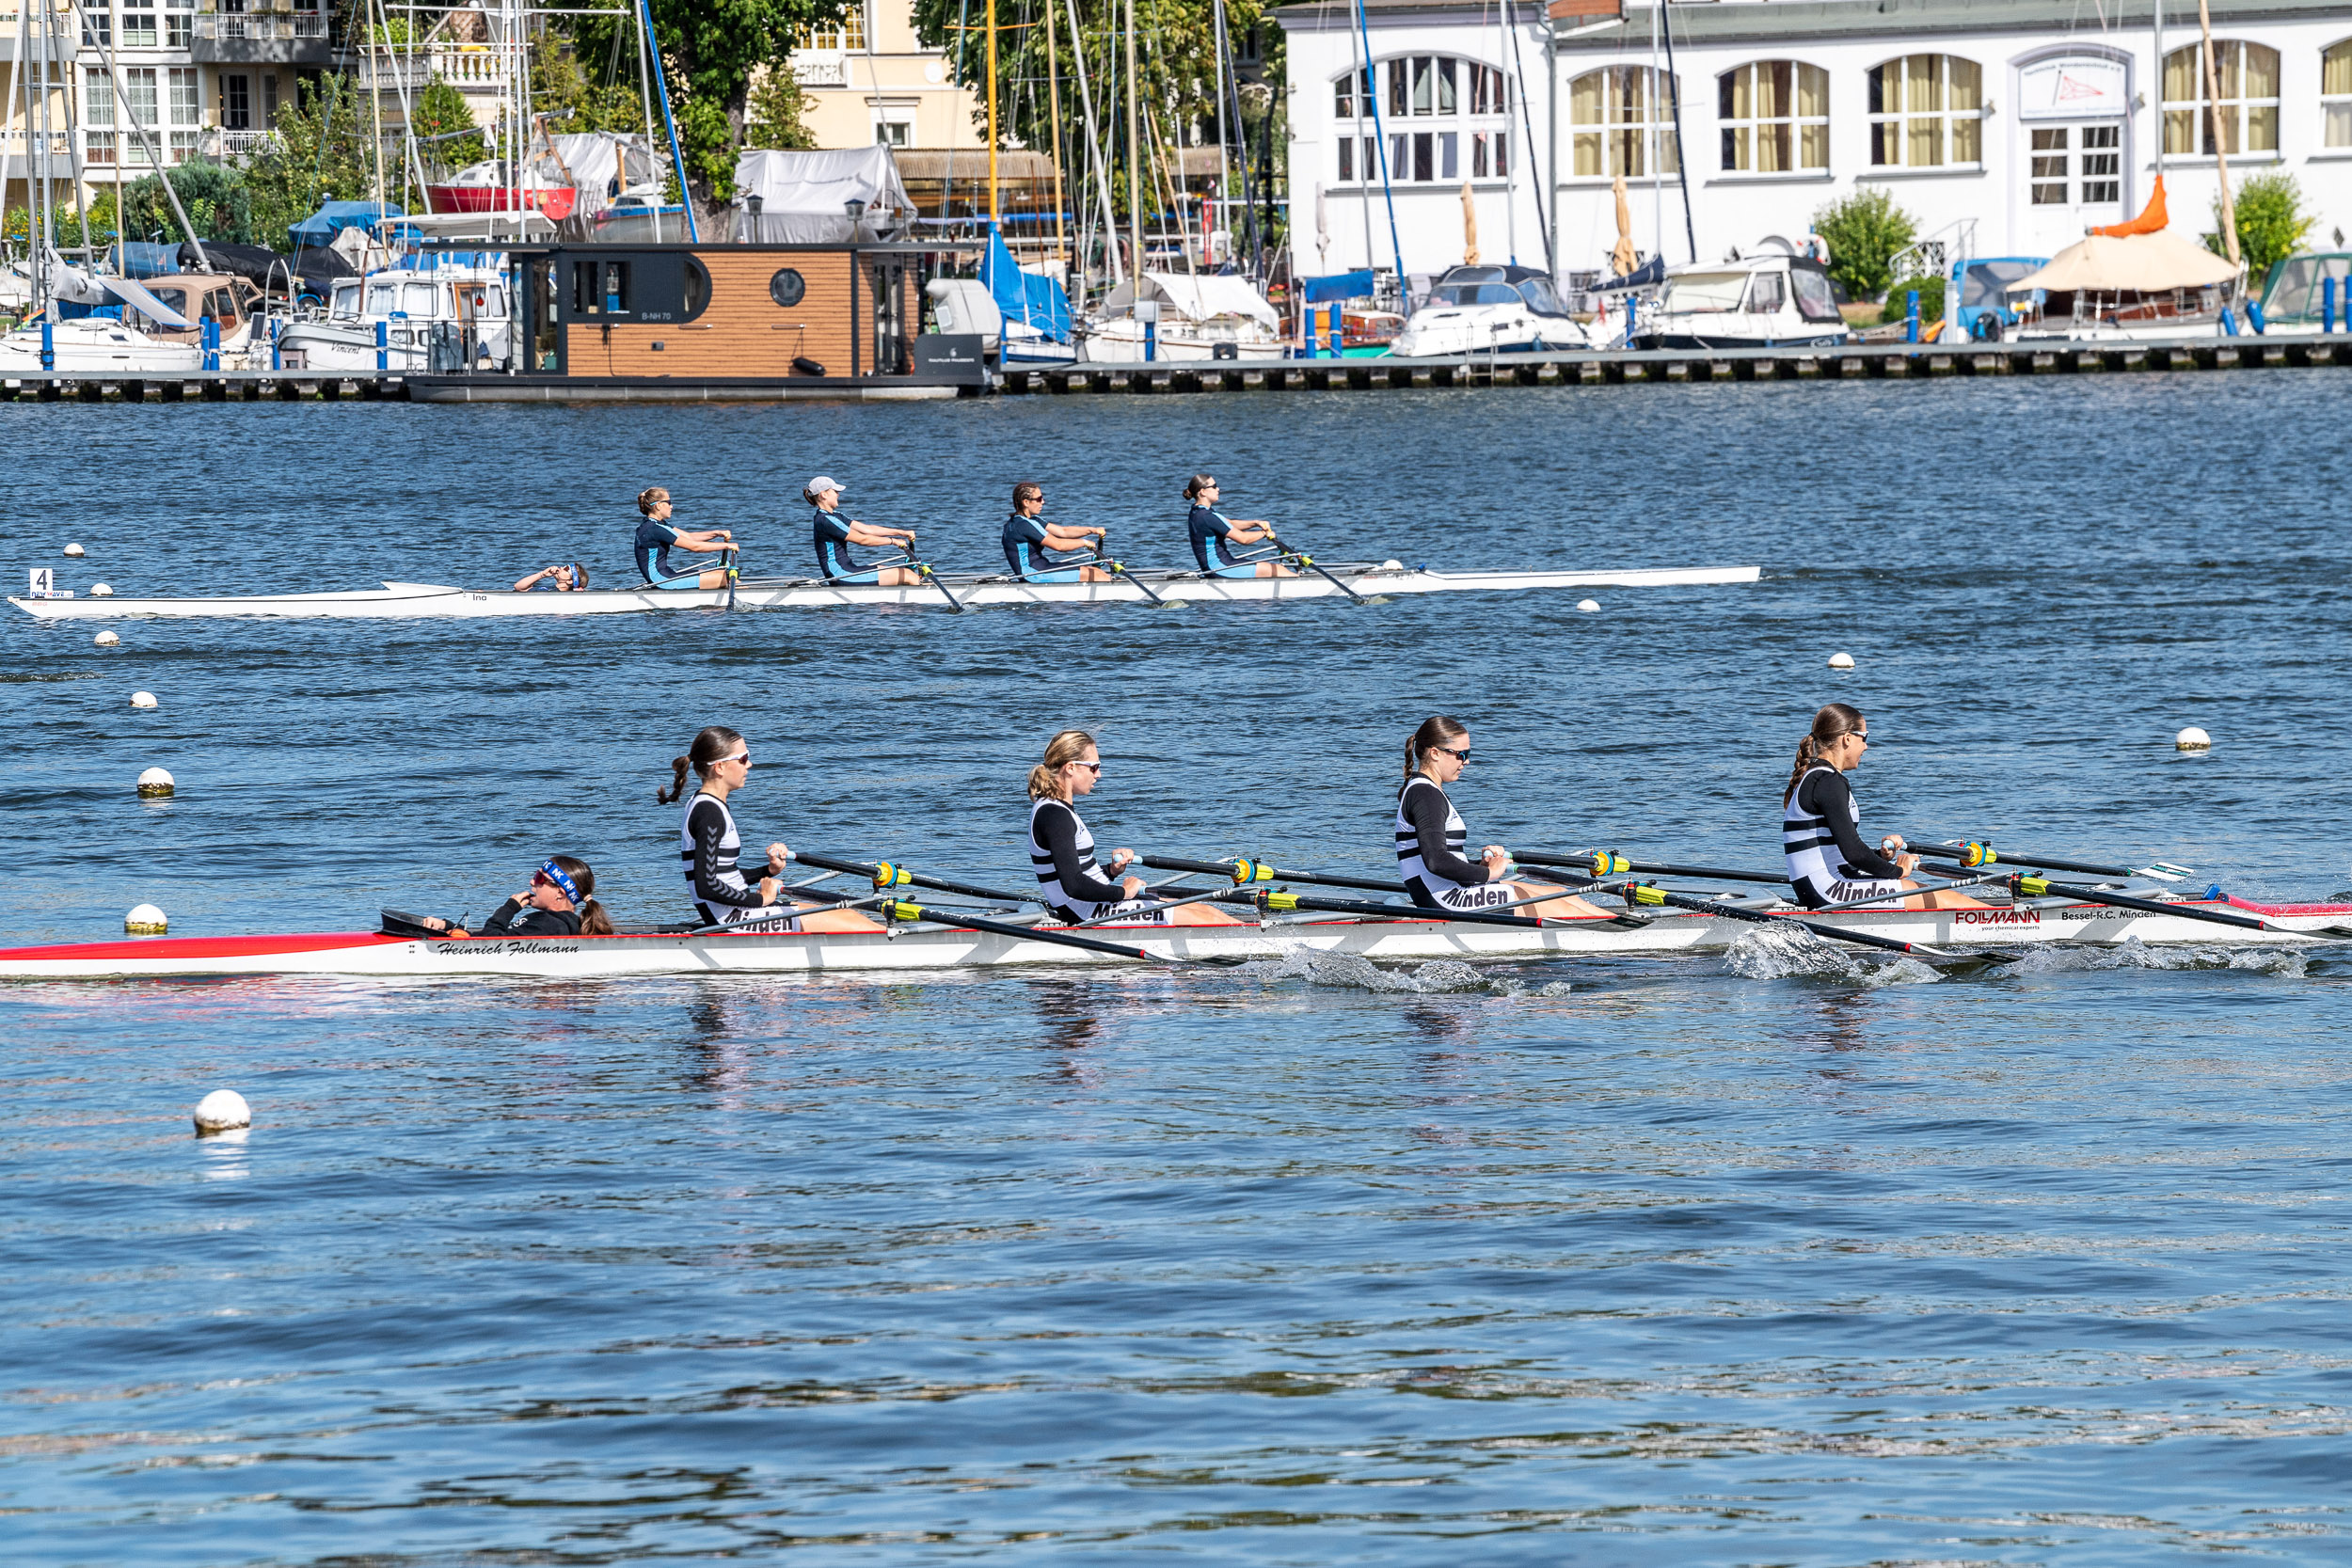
x,y
1030,541
1215,534
657,536
836,533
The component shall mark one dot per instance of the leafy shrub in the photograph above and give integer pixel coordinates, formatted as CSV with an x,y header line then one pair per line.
x,y
2271,222
1864,231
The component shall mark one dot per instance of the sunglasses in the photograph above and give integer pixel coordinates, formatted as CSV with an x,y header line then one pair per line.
x,y
744,757
554,876
1093,767
1461,756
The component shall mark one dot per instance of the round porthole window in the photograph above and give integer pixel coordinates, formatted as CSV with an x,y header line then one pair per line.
x,y
787,288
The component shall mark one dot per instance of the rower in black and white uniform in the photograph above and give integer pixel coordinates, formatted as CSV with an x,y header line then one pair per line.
x,y
1070,882
708,846
1821,826
1430,836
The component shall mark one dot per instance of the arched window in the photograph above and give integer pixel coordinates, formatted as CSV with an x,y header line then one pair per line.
x,y
1775,116
2335,95
1621,120
1446,118
2247,101
1926,110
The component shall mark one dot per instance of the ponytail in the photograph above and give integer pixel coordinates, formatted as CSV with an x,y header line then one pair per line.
x,y
1831,724
1436,730
1063,750
594,922
648,499
711,744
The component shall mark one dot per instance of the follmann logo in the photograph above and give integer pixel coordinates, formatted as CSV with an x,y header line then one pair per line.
x,y
1997,917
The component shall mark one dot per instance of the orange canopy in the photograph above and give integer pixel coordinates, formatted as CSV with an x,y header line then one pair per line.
x,y
2152,217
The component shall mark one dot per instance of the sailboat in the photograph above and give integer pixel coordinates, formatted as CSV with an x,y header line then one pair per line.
x,y
1033,311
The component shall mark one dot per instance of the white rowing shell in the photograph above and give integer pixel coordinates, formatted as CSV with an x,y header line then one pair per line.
x,y
929,947
422,601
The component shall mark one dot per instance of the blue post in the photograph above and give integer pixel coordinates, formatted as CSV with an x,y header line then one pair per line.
x,y
383,340
1338,330
212,343
2328,304
48,346
2229,323
1150,340
1910,318
276,326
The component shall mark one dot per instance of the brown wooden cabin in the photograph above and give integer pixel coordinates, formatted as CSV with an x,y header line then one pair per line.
x,y
670,322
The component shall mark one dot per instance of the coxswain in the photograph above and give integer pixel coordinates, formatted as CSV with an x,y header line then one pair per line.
x,y
1430,836
836,533
560,902
1215,534
1821,826
571,578
657,536
1030,541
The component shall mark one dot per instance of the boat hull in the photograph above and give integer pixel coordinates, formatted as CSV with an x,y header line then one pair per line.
x,y
429,601
935,948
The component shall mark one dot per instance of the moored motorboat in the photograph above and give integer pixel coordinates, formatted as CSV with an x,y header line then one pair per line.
x,y
420,601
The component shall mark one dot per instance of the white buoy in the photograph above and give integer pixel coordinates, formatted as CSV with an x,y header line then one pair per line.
x,y
1392,565
105,640
2192,739
222,1111
142,699
146,920
1841,661
155,784
1588,606
74,551
102,591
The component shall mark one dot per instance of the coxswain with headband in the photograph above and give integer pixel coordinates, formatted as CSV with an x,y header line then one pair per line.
x,y
569,578
1030,541
1430,836
560,902
1215,534
657,537
836,533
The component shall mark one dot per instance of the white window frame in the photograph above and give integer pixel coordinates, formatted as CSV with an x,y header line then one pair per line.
x,y
1747,134
2335,108
1609,139
1438,93
1897,129
2229,59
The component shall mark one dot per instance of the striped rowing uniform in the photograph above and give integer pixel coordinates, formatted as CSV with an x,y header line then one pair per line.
x,y
707,847
1429,860
1821,832
1068,882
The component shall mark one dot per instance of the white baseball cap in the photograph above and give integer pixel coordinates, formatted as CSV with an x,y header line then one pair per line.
x,y
819,485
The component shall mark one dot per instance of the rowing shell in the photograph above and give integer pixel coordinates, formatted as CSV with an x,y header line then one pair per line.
x,y
419,600
929,947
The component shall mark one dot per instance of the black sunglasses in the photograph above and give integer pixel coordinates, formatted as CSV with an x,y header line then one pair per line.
x,y
1461,756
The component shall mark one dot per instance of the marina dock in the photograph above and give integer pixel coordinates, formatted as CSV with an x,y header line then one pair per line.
x,y
1585,366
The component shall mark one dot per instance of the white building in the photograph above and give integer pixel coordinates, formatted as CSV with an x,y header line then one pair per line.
x,y
2030,118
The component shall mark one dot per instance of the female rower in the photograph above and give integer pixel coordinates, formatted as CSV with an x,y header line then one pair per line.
x,y
567,579
1215,534
709,846
1070,884
1821,826
836,533
1430,834
1028,538
657,537
560,902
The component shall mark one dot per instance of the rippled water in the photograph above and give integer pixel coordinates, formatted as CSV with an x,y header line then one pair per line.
x,y
1781,1256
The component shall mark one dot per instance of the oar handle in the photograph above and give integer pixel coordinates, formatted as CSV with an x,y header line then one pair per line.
x,y
1974,855
1606,863
1207,868
885,874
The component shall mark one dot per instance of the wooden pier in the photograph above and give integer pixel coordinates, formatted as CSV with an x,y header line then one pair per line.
x,y
1585,366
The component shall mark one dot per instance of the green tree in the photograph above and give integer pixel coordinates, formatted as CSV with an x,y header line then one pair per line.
x,y
318,151
776,115
1864,231
563,91
2271,223
444,123
215,195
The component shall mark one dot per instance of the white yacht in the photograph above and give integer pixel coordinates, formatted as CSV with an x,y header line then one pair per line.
x,y
94,346
1777,298
1473,310
1212,316
408,302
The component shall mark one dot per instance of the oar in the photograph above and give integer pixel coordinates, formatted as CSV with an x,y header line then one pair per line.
x,y
1308,561
900,909
1974,855
1119,569
1287,901
2023,886
1606,863
885,875
923,570
1642,893
1245,871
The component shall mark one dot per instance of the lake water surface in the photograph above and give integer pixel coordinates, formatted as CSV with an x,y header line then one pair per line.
x,y
1773,1258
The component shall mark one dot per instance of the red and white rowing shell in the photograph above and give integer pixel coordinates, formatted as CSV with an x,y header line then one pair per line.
x,y
931,947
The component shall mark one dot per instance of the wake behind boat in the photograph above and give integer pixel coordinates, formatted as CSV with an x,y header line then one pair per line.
x,y
425,601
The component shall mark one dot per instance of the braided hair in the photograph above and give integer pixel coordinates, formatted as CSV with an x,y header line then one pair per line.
x,y
1831,725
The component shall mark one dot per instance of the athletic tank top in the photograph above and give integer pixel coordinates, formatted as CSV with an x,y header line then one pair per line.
x,y
722,869
1059,898
1815,862
1410,867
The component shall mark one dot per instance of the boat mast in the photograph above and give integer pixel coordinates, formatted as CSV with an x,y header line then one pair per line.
x,y
1224,172
1094,146
2213,129
991,116
1053,109
1135,155
645,97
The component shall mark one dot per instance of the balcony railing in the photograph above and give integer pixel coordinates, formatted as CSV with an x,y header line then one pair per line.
x,y
820,70
461,68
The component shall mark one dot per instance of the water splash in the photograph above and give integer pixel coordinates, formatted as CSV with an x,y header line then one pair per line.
x,y
2286,963
1349,971
1795,952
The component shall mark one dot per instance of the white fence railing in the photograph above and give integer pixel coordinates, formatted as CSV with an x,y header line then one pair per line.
x,y
820,70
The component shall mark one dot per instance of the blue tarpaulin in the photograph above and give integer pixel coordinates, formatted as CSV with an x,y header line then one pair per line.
x,y
1338,285
1024,296
138,259
321,227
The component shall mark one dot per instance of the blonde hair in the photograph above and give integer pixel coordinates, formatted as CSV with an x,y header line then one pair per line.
x,y
1436,730
648,499
1831,725
1061,751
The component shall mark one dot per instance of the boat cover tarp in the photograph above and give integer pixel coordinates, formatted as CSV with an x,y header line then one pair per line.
x,y
1197,300
2151,218
140,298
321,227
1024,296
1648,274
2140,263
804,197
138,259
522,223
251,262
1337,285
